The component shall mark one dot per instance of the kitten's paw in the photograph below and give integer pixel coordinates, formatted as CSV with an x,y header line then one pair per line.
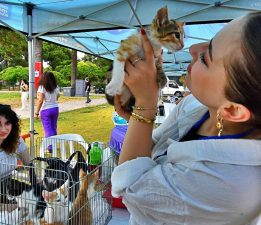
x,y
112,89
23,212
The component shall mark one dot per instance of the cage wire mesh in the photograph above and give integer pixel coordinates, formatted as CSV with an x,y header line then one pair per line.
x,y
56,191
59,147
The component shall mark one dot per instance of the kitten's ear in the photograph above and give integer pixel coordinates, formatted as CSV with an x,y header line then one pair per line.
x,y
162,16
181,24
64,191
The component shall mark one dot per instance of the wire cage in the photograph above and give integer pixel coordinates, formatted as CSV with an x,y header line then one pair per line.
x,y
55,191
61,146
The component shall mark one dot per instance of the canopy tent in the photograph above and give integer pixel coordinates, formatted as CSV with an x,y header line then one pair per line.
x,y
81,24
70,22
105,43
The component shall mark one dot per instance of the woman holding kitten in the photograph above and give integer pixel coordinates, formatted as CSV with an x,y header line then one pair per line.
x,y
202,166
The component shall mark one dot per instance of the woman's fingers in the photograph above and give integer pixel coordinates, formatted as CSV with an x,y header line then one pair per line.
x,y
119,109
148,50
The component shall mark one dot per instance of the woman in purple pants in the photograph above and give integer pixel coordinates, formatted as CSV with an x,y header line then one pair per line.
x,y
47,105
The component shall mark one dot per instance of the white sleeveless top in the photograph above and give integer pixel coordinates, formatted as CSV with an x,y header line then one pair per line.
x,y
50,99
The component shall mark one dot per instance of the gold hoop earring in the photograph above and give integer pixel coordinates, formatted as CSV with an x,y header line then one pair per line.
x,y
219,124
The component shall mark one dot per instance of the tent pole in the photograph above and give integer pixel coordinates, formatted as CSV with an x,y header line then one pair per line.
x,y
31,77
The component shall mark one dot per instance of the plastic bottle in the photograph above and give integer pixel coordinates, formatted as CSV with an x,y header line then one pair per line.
x,y
95,154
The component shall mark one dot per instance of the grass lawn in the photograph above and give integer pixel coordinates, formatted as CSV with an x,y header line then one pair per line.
x,y
14,98
11,98
93,123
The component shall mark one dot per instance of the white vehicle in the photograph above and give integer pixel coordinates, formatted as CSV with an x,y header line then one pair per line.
x,y
172,88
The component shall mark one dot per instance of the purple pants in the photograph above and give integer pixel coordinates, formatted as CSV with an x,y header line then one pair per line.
x,y
49,119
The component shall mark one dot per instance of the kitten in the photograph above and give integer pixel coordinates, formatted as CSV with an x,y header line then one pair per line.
x,y
81,212
58,206
27,195
162,32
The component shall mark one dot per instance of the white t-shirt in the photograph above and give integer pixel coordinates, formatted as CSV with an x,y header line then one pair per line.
x,y
50,99
8,162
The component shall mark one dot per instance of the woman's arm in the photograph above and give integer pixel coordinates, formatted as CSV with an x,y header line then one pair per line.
x,y
141,79
22,152
58,93
25,157
40,99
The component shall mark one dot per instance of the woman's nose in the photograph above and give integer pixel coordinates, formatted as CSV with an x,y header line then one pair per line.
x,y
3,127
195,49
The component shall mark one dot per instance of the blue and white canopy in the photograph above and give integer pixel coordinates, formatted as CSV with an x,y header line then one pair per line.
x,y
89,25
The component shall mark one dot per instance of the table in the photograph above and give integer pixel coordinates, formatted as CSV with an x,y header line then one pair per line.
x,y
117,138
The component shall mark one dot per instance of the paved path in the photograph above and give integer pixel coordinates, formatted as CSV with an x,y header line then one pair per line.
x,y
65,106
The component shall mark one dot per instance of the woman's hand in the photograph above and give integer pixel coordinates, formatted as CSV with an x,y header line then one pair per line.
x,y
141,76
119,109
36,115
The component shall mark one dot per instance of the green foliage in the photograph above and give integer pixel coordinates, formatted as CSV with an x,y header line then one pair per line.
x,y
91,70
13,48
61,79
104,64
85,69
64,75
14,74
56,55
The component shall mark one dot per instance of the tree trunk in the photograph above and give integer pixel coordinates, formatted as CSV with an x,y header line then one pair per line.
x,y
38,50
74,69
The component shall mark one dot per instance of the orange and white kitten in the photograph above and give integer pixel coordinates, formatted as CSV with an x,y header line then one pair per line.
x,y
58,206
162,32
81,213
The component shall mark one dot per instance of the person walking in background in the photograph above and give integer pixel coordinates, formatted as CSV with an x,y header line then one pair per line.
x,y
87,89
47,105
24,88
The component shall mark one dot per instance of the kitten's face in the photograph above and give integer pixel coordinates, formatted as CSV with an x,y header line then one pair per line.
x,y
16,188
58,196
169,33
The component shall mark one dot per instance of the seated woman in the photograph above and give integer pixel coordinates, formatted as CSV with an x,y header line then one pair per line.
x,y
12,146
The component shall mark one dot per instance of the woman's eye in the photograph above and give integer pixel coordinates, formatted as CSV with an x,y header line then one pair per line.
x,y
202,57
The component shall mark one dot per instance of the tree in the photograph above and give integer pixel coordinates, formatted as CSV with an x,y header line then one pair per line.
x,y
91,70
74,68
56,55
65,72
13,49
13,74
104,64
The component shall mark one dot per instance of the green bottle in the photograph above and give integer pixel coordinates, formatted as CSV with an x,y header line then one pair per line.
x,y
95,154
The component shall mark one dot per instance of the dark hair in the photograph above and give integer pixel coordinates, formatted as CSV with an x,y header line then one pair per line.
x,y
48,81
25,81
10,144
244,77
